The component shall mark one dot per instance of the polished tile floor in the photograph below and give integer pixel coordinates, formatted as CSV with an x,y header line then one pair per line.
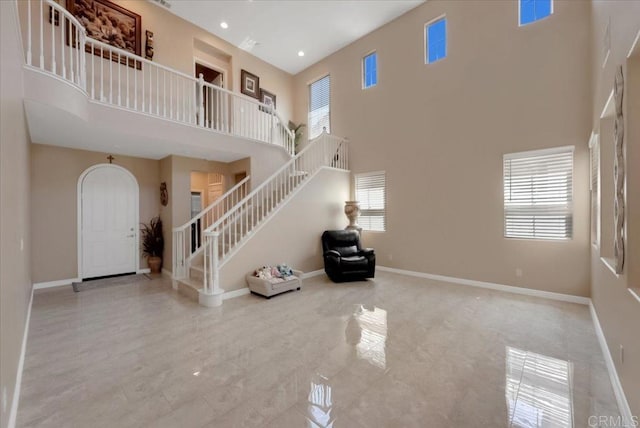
x,y
394,352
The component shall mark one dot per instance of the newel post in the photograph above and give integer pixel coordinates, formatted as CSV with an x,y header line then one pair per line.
x,y
200,98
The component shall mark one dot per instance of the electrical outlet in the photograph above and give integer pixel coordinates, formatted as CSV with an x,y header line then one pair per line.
x,y
621,354
21,244
518,272
390,257
4,400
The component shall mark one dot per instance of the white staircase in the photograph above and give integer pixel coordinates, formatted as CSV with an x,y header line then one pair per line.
x,y
112,77
198,274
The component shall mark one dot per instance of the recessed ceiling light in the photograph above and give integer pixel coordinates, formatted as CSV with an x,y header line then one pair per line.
x,y
224,25
300,53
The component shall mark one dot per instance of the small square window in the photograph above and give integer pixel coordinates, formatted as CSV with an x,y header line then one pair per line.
x,y
534,10
436,40
370,70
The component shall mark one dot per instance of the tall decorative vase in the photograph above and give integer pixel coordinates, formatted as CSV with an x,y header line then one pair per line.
x,y
352,211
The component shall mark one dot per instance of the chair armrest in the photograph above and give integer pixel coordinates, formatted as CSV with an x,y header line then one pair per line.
x,y
332,253
366,251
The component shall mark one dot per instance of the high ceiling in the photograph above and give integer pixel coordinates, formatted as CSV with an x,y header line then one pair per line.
x,y
275,31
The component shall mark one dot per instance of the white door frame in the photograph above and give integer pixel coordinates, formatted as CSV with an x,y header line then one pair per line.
x,y
79,204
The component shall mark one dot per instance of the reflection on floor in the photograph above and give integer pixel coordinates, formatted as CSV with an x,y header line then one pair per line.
x,y
538,390
394,352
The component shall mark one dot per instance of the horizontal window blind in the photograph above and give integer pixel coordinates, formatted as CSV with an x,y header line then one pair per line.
x,y
538,194
319,106
370,192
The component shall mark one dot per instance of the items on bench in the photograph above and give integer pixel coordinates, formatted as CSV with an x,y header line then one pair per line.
x,y
268,281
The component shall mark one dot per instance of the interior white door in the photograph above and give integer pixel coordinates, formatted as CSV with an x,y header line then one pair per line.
x,y
109,223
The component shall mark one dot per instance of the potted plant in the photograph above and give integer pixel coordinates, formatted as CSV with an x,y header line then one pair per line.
x,y
153,243
297,133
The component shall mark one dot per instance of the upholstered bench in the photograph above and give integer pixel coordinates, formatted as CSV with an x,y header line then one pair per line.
x,y
271,287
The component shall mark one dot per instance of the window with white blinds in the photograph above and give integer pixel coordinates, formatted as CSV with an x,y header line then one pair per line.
x,y
595,191
538,194
319,106
370,192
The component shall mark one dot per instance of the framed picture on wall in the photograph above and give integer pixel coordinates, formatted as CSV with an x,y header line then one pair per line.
x,y
268,98
109,23
249,84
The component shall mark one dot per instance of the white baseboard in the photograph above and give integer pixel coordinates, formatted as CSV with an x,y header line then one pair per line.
x,y
166,273
313,273
140,271
623,405
235,293
492,286
58,283
13,414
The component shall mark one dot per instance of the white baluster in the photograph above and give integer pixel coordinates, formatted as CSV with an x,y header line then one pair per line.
x,y
110,76
93,71
53,41
41,36
126,69
83,57
200,98
120,79
29,43
71,50
79,50
142,69
157,91
135,85
101,74
63,21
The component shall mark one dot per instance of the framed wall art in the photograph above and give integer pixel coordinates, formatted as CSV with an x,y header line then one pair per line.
x,y
249,84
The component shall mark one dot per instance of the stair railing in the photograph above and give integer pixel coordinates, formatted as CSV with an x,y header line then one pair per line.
x,y
224,237
57,44
187,239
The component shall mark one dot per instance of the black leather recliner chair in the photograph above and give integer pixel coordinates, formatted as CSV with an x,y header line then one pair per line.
x,y
344,258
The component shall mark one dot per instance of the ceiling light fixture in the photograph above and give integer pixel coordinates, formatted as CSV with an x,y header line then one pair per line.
x,y
224,25
300,53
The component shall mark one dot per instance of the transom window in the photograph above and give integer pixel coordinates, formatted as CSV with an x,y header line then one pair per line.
x,y
435,34
538,194
370,192
370,70
319,106
534,10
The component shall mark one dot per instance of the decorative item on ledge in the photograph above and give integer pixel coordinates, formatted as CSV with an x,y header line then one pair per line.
x,y
148,47
352,211
298,131
153,243
249,84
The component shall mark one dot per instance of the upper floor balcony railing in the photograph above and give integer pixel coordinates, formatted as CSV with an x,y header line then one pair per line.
x,y
57,44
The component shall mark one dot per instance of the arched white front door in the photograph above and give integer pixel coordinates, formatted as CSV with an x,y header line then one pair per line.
x,y
108,222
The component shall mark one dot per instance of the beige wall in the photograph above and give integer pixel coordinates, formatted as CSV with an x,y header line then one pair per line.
x,y
174,47
54,179
440,130
293,235
15,231
618,311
